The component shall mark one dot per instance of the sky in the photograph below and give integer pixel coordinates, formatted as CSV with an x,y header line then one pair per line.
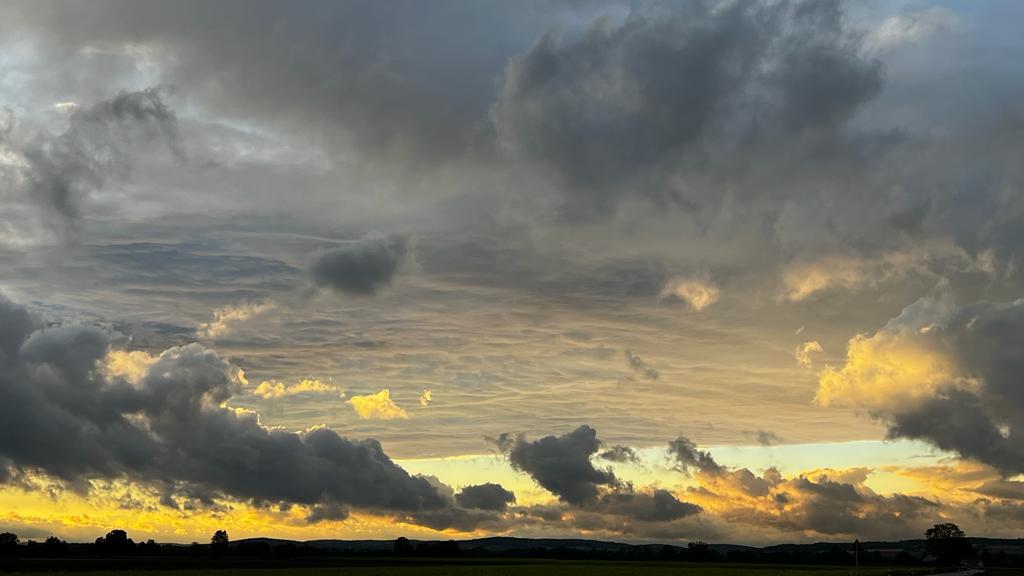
x,y
643,271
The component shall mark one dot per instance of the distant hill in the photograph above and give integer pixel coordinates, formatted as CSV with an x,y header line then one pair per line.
x,y
501,544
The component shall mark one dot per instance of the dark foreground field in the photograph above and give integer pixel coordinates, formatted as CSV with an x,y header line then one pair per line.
x,y
439,567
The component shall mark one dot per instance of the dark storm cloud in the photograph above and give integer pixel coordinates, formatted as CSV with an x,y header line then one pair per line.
x,y
98,144
61,416
561,464
613,109
638,365
488,496
360,268
687,456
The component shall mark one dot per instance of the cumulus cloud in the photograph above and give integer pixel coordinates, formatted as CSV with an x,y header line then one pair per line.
x,y
638,365
696,293
561,464
378,406
361,268
822,502
131,365
426,397
944,374
803,352
687,456
487,496
270,389
171,429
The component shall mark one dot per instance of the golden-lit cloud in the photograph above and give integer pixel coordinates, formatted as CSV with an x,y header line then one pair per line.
x,y
377,406
131,365
803,352
426,397
275,389
225,318
886,370
697,293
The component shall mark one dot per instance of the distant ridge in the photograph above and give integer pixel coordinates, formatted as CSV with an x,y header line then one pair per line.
x,y
499,544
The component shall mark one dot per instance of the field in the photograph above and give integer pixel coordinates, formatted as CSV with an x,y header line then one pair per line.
x,y
503,568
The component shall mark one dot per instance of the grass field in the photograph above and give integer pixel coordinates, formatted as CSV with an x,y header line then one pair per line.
x,y
519,568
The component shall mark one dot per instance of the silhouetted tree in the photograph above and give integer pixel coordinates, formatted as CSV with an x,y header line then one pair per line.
x,y
948,543
403,547
54,546
698,551
8,543
219,543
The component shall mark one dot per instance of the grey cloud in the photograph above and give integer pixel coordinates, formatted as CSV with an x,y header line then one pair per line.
x,y
327,511
488,496
361,268
61,416
767,438
390,86
98,144
561,464
638,365
619,454
687,456
608,109
657,505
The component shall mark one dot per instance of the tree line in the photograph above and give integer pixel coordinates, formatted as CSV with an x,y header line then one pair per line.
x,y
945,545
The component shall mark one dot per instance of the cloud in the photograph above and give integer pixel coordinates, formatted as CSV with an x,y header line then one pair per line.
x,y
59,173
803,279
171,429
943,374
361,268
894,366
426,397
487,496
225,318
657,505
614,110
270,389
912,27
687,456
561,464
413,98
767,438
803,352
638,365
822,502
619,454
131,365
696,293
327,512
377,406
